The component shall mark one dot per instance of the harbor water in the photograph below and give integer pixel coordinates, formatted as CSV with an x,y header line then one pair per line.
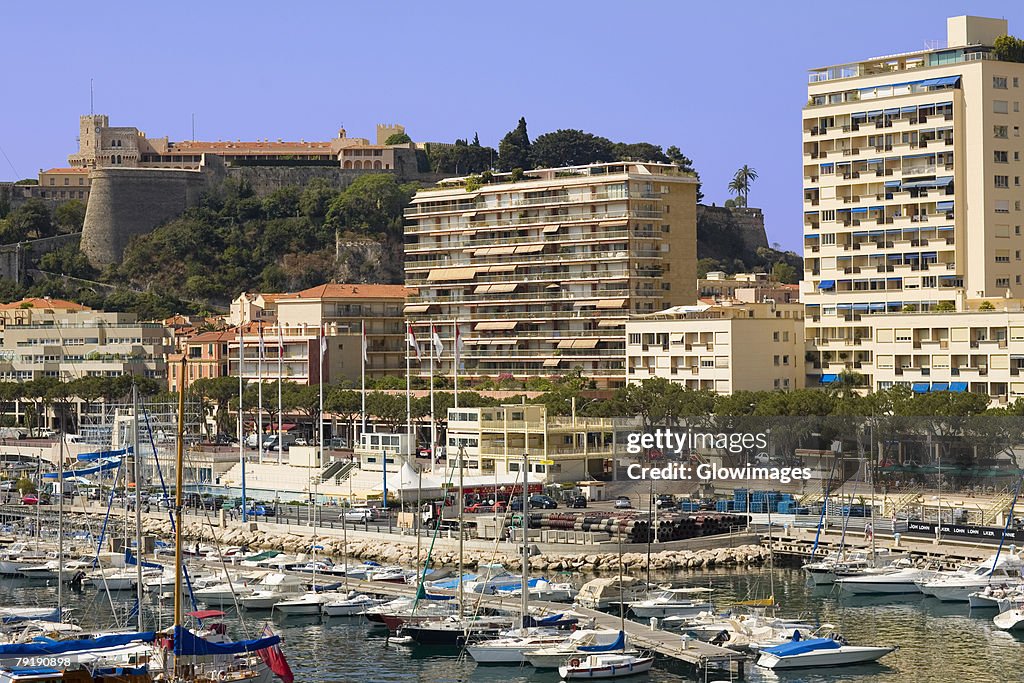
x,y
939,642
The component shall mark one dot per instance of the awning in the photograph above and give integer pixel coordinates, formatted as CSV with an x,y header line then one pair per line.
x,y
921,387
452,274
497,325
552,362
938,82
530,249
828,379
612,224
590,343
495,289
551,228
877,307
827,284
416,308
940,386
611,323
958,386
935,182
611,303
494,251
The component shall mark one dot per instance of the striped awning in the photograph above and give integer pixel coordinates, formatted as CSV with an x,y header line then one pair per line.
x,y
495,289
451,274
497,325
611,303
416,308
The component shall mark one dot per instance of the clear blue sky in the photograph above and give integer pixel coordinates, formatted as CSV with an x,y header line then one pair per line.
x,y
724,81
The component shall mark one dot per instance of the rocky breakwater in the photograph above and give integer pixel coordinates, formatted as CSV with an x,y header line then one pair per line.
x,y
403,552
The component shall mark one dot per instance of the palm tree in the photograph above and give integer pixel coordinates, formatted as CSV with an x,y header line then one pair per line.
x,y
740,183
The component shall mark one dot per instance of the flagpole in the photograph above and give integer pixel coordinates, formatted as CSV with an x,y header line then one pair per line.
x,y
259,399
433,422
280,403
241,425
363,411
323,350
455,359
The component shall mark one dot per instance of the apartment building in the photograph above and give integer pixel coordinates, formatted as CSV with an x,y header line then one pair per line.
x,y
912,169
208,356
747,287
542,271
721,348
493,441
342,309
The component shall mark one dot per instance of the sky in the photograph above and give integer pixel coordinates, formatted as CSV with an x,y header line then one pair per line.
x,y
724,81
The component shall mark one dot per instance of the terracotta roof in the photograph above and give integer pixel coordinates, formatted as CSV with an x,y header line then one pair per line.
x,y
41,303
66,170
246,147
214,336
340,291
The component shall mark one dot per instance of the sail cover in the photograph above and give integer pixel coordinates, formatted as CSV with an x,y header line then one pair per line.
x,y
187,643
61,647
619,643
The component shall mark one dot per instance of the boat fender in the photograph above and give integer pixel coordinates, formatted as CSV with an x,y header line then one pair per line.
x,y
574,662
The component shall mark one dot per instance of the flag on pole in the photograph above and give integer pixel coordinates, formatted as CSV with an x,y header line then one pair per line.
x,y
413,344
261,341
436,339
457,345
323,341
274,658
280,340
366,346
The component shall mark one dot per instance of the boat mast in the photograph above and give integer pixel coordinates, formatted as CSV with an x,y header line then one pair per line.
x,y
138,502
622,599
60,516
525,525
178,467
461,504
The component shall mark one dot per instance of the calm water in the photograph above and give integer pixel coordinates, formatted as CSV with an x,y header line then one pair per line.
x,y
938,642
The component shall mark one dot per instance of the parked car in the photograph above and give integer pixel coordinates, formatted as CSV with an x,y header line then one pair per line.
x,y
29,499
224,440
666,501
623,503
543,502
301,442
578,502
358,515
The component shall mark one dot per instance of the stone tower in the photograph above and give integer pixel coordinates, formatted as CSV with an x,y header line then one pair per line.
x,y
90,129
386,130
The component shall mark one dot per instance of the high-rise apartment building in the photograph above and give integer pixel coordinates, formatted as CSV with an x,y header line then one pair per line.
x,y
541,271
912,205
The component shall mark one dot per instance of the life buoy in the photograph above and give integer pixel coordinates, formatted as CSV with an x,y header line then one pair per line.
x,y
574,662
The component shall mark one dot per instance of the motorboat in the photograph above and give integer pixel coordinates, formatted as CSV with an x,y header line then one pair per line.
x,y
454,630
18,555
604,592
351,605
509,648
555,656
310,602
394,613
542,589
990,597
605,666
1011,619
492,578
819,653
222,594
899,577
825,571
1001,570
273,589
672,602
390,574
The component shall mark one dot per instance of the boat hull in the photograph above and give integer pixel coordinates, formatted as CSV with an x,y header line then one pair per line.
x,y
845,656
670,610
1010,620
618,667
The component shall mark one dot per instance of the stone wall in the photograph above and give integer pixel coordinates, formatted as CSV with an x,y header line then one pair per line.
x,y
746,224
17,259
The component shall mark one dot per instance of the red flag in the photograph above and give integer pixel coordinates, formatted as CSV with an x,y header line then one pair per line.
x,y
274,658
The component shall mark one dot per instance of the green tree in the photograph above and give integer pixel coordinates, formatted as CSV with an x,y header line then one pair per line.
x,y
1009,49
67,260
785,273
741,182
398,139
25,486
685,165
221,391
32,218
570,147
387,408
514,148
371,205
639,151
10,392
70,216
316,199
464,158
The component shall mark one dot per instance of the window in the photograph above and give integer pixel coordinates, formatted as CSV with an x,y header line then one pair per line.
x,y
1002,206
634,338
828,215
1002,181
67,181
1002,282
1016,131
1016,107
785,360
775,336
1000,131
1016,181
1000,107
828,238
1001,156
1003,256
999,82
707,362
776,360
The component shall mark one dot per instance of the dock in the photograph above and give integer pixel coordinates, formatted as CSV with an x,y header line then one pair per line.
x,y
697,655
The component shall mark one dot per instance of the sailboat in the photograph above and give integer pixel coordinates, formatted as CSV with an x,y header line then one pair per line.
x,y
601,661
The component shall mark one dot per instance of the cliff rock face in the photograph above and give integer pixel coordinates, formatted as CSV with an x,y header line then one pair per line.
x,y
360,260
729,233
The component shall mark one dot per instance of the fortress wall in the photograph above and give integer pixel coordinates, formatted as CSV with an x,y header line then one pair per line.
x,y
748,222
